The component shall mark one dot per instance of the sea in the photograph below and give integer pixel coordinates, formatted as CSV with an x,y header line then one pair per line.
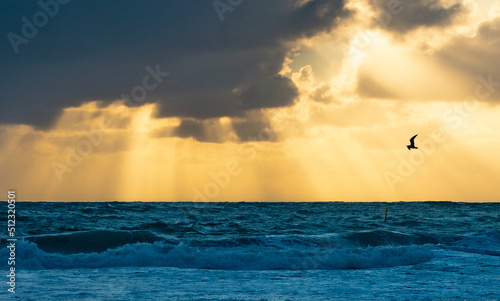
x,y
253,251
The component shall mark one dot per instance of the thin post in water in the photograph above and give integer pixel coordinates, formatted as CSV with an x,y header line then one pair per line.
x,y
385,217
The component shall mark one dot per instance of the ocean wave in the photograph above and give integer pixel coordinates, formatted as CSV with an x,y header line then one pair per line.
x,y
394,238
90,241
353,250
161,254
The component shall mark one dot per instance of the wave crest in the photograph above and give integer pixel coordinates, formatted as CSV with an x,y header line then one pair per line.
x,y
255,257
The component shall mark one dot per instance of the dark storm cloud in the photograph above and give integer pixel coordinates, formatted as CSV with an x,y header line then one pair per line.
x,y
252,130
401,16
248,128
100,50
191,128
275,92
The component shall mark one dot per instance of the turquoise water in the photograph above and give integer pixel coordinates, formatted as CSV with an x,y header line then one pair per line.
x,y
256,251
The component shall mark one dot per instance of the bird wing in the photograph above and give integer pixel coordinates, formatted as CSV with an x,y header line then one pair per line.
x,y
412,139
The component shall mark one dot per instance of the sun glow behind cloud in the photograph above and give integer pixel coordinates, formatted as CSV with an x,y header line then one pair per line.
x,y
344,137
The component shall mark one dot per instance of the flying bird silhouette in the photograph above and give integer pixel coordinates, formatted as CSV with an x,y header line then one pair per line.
x,y
412,143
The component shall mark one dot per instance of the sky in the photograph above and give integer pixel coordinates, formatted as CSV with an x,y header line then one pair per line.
x,y
239,100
